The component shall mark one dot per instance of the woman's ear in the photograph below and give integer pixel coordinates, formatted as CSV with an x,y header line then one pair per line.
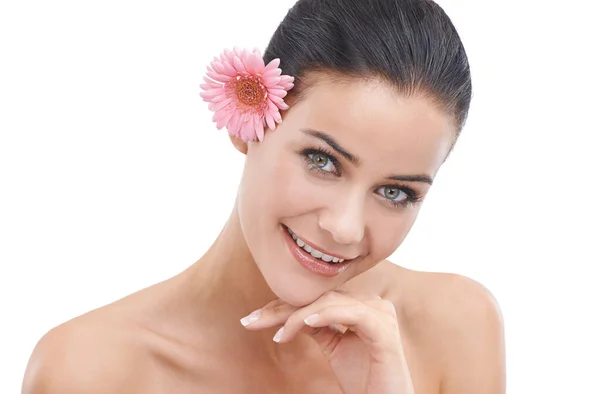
x,y
239,144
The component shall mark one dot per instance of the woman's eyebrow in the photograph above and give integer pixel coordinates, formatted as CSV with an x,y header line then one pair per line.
x,y
412,178
329,140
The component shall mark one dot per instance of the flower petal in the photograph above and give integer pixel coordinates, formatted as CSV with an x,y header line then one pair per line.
x,y
274,72
208,80
217,115
248,131
277,92
259,131
271,81
276,115
223,119
237,51
211,94
233,126
270,121
255,64
219,77
223,113
273,64
278,101
286,82
244,57
271,107
239,66
218,67
211,85
221,97
228,55
287,79
223,104
274,112
228,69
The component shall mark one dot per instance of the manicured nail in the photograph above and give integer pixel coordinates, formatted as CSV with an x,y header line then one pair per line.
x,y
278,335
312,319
251,318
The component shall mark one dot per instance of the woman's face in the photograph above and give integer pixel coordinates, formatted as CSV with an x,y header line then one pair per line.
x,y
345,172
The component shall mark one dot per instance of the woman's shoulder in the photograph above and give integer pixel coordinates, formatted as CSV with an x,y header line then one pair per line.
x,y
454,318
99,352
439,302
438,295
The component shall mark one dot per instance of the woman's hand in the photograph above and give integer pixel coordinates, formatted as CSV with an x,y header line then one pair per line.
x,y
358,335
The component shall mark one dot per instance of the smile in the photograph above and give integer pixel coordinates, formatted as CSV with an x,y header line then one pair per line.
x,y
314,252
311,258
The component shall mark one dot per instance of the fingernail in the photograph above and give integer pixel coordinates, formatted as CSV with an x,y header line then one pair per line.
x,y
278,335
251,318
311,319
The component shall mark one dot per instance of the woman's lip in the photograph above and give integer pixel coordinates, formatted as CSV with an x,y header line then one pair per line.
x,y
320,249
309,262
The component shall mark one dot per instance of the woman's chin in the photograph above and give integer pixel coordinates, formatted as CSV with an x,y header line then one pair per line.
x,y
294,277
295,291
297,299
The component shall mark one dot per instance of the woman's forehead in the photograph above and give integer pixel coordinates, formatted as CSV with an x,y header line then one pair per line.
x,y
372,120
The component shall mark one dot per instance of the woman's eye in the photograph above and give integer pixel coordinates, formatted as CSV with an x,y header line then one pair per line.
x,y
322,162
393,193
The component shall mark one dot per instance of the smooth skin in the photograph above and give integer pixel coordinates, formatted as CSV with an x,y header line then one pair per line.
x,y
376,328
359,337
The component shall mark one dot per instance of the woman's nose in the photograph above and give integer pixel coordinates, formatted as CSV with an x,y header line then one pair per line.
x,y
344,219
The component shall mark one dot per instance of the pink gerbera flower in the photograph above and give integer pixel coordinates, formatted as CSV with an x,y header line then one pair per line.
x,y
245,94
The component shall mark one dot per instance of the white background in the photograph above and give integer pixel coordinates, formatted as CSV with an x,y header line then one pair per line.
x,y
113,177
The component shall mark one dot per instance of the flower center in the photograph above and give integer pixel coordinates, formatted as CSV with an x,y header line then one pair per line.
x,y
249,91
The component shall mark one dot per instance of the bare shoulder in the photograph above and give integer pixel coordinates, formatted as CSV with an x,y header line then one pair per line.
x,y
95,353
460,322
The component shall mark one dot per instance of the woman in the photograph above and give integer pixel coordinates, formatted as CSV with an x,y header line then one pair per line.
x,y
376,93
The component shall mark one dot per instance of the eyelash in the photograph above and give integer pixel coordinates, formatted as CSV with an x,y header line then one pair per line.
x,y
412,196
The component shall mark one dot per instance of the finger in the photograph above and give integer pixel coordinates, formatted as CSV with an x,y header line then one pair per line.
x,y
274,303
273,314
327,338
295,322
383,305
374,327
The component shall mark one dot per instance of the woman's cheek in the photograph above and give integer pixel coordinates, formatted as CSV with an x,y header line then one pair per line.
x,y
387,232
299,189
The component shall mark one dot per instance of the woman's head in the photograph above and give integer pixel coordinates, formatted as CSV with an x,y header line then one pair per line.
x,y
382,90
410,44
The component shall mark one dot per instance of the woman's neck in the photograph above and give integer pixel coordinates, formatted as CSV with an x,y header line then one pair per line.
x,y
230,267
226,284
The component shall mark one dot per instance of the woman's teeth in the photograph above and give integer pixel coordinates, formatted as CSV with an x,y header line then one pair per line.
x,y
314,252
